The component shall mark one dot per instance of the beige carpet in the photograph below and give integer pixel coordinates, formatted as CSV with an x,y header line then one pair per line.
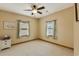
x,y
37,48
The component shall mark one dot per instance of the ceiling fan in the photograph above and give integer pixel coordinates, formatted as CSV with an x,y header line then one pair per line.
x,y
35,9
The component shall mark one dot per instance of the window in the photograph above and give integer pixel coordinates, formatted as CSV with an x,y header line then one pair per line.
x,y
23,28
51,28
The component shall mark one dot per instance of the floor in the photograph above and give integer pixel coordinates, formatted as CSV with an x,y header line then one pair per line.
x,y
37,48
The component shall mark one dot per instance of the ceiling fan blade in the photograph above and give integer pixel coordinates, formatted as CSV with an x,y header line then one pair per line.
x,y
39,12
28,10
41,8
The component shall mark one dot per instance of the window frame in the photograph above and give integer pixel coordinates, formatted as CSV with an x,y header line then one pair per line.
x,y
18,34
54,36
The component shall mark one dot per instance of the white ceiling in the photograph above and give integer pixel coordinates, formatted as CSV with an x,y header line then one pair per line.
x,y
20,7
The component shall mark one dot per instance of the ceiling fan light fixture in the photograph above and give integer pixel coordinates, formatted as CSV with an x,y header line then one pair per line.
x,y
34,11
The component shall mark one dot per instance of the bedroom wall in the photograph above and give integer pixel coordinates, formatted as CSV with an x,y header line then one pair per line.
x,y
64,27
8,16
76,36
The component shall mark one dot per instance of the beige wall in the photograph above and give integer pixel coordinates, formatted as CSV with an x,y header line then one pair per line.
x,y
7,16
76,36
64,28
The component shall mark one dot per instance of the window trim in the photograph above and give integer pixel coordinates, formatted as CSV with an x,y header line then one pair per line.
x,y
51,28
18,28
